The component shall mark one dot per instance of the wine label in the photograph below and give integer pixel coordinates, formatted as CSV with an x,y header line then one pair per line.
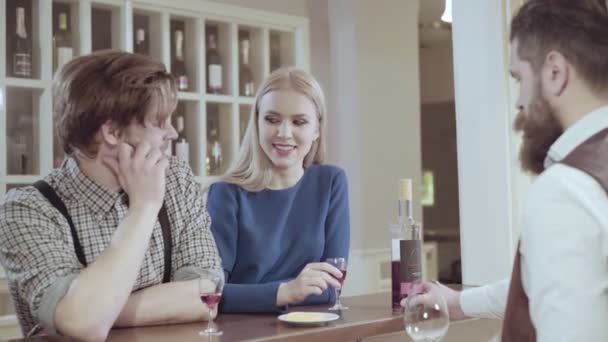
x,y
182,82
64,55
22,64
411,261
215,76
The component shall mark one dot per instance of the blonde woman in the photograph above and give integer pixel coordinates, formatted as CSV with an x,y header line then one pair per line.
x,y
279,212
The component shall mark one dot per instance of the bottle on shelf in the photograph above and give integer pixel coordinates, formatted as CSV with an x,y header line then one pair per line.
x,y
21,53
182,148
62,43
214,149
18,163
216,158
214,63
178,66
141,43
275,51
246,83
406,247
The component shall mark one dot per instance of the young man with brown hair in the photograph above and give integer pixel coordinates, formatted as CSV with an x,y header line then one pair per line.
x,y
559,286
119,234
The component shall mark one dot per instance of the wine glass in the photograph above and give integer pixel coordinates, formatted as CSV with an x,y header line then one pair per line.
x,y
426,313
210,296
339,263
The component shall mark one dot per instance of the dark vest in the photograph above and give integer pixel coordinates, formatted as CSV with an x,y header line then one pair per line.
x,y
590,157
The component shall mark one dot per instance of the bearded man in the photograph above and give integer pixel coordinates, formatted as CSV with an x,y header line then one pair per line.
x,y
558,290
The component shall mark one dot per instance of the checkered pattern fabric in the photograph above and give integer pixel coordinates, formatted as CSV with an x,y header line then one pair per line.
x,y
37,251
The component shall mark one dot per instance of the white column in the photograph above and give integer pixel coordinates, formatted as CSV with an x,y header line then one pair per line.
x,y
374,122
491,185
374,130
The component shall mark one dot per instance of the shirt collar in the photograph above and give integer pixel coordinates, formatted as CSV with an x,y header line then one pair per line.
x,y
98,198
576,134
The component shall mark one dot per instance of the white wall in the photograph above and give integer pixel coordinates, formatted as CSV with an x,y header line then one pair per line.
x,y
388,104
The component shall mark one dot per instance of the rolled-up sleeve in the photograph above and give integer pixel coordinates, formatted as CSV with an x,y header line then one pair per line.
x,y
197,254
39,262
489,301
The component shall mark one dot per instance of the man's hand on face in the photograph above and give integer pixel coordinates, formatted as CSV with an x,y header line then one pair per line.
x,y
141,172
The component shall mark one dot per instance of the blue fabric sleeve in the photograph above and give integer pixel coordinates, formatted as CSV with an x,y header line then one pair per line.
x,y
337,232
337,225
251,298
223,208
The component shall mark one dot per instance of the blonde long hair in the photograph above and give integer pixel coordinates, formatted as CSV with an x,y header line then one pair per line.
x,y
252,169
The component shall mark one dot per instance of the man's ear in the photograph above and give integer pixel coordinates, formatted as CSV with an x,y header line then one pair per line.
x,y
557,74
110,134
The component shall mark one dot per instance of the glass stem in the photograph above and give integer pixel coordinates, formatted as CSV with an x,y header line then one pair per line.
x,y
338,292
209,320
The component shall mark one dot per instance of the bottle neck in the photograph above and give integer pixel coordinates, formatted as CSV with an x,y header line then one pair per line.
x,y
405,211
245,51
179,45
21,32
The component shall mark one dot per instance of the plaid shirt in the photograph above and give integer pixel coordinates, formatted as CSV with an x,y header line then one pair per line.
x,y
37,250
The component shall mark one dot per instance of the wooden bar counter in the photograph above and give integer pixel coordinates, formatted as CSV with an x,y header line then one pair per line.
x,y
369,319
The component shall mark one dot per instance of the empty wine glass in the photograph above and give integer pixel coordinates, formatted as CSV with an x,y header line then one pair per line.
x,y
426,313
210,296
339,263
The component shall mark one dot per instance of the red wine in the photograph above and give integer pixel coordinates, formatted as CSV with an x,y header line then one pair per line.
x,y
21,53
396,285
406,246
211,299
246,82
178,66
214,62
341,280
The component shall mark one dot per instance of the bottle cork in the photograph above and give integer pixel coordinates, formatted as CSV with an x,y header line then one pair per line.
x,y
405,189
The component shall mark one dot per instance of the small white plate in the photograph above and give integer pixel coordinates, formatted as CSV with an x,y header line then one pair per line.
x,y
308,318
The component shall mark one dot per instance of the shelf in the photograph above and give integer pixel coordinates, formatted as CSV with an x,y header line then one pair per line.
x,y
246,100
188,96
212,98
26,83
29,150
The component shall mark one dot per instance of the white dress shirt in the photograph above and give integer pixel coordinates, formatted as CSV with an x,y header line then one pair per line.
x,y
564,249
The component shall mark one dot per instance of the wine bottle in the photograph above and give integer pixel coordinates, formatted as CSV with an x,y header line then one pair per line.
x,y
214,148
22,48
275,51
246,84
178,67
406,247
216,157
214,64
141,44
62,43
182,148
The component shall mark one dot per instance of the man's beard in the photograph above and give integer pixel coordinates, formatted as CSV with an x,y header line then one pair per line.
x,y
540,129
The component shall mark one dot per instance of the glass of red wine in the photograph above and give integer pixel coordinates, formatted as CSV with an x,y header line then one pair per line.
x,y
339,263
210,291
